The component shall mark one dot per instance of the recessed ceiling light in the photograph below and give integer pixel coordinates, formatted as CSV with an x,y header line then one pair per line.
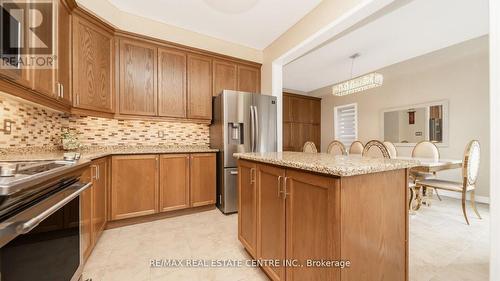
x,y
231,6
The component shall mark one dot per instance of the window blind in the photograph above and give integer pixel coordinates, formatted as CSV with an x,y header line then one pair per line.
x,y
346,123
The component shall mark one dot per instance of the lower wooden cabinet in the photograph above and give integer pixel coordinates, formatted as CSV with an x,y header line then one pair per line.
x,y
271,219
134,189
93,205
174,182
149,184
247,206
203,179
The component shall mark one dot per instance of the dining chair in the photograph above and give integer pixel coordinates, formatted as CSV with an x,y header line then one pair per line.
x,y
356,148
336,148
309,147
425,149
376,149
470,170
393,152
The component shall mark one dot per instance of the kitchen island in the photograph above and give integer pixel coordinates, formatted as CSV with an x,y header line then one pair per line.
x,y
315,216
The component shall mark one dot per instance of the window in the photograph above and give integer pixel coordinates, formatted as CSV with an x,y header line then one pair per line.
x,y
346,123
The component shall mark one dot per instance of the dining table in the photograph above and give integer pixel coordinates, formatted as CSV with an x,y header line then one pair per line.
x,y
422,195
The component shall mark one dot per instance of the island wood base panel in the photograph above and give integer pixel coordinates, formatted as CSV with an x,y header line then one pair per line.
x,y
289,214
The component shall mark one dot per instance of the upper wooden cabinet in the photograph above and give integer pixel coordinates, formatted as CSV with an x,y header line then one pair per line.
x,y
225,76
172,71
92,66
199,87
248,79
138,70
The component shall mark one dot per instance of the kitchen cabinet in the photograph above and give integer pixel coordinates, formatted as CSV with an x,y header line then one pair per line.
x,y
93,66
271,219
138,78
172,94
55,82
301,121
174,182
225,76
248,79
86,237
100,183
202,179
247,206
199,87
134,188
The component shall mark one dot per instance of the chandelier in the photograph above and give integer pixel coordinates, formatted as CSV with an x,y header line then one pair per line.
x,y
357,84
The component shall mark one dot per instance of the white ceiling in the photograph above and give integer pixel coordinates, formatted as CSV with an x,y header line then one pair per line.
x,y
251,23
420,27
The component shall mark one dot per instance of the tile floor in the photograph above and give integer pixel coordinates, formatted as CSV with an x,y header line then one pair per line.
x,y
442,247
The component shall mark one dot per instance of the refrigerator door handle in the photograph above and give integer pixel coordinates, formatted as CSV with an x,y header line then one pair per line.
x,y
257,129
252,129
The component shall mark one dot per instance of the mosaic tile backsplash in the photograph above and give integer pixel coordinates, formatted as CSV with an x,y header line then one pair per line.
x,y
35,126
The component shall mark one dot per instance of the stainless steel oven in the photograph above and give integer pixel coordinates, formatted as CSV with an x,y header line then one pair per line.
x,y
40,235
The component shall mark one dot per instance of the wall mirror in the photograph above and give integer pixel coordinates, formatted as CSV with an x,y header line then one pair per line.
x,y
408,125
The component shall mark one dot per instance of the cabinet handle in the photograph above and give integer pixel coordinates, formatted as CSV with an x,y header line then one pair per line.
x,y
285,194
279,185
98,172
93,172
62,90
252,175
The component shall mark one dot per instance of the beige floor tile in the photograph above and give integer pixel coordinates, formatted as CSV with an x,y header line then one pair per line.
x,y
442,247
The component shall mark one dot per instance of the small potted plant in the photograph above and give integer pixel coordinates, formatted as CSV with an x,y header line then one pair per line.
x,y
69,140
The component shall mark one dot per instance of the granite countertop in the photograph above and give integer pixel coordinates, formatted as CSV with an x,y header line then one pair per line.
x,y
328,164
91,153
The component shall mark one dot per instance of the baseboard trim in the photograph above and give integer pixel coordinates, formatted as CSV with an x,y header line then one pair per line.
x,y
456,195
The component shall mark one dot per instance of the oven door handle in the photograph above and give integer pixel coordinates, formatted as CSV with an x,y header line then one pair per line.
x,y
27,226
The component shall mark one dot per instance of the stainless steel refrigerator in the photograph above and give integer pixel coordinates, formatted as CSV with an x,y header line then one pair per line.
x,y
242,122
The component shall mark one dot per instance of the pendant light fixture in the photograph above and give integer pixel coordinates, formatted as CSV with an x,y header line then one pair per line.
x,y
357,84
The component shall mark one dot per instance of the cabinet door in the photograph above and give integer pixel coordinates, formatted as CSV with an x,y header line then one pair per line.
x,y
225,76
248,79
199,87
138,93
86,239
171,83
134,189
287,110
99,198
312,224
64,52
44,80
247,206
92,66
174,182
287,137
316,111
271,218
202,179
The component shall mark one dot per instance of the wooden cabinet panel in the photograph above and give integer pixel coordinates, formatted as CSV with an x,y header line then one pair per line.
x,y
138,70
287,108
134,189
202,179
99,196
287,137
174,182
64,52
316,111
225,76
86,237
247,206
312,231
248,79
92,66
301,121
199,87
271,219
171,83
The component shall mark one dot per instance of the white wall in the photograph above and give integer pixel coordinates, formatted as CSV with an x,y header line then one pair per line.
x,y
458,74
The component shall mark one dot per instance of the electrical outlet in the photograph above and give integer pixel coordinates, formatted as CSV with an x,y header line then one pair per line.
x,y
7,126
